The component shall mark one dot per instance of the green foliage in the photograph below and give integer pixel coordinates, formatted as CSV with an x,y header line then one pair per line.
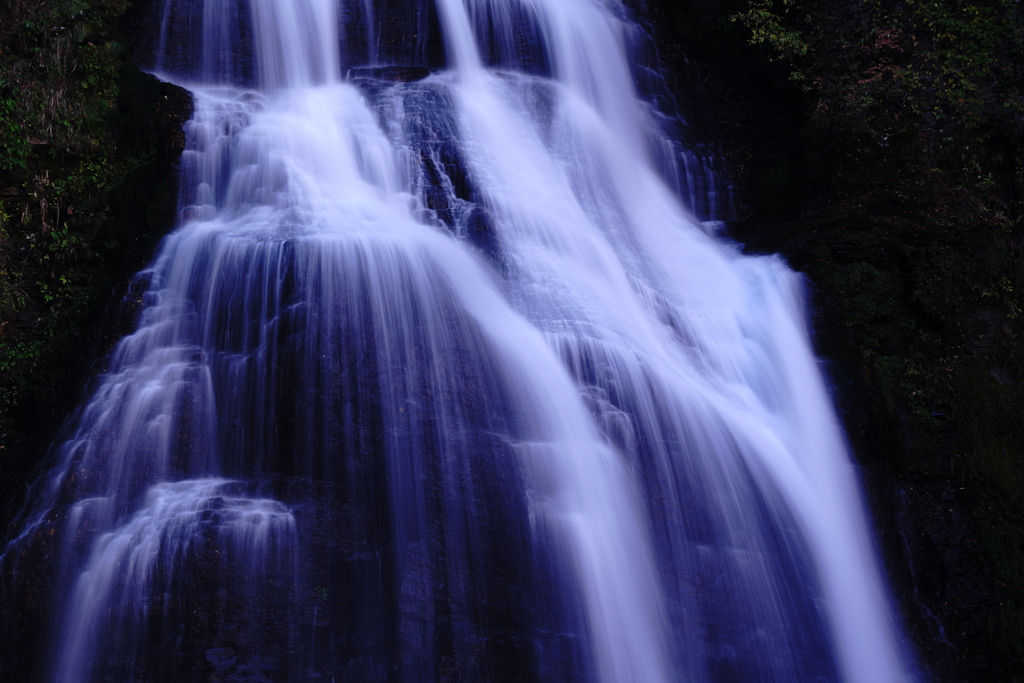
x,y
770,29
913,238
61,65
988,429
929,82
13,142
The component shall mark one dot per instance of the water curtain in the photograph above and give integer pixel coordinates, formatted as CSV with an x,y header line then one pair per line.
x,y
438,379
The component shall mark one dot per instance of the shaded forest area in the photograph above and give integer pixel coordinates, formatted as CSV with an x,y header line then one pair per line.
x,y
87,147
875,144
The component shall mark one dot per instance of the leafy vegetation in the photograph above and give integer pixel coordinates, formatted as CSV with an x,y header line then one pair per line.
x,y
767,28
910,229
75,158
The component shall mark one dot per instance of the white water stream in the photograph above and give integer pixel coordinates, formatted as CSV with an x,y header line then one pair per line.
x,y
678,451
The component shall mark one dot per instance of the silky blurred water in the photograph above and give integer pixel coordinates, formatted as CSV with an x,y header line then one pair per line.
x,y
443,370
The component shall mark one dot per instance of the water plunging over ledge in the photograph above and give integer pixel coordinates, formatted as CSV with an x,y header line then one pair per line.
x,y
438,380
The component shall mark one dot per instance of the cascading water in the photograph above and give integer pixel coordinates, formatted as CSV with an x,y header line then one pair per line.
x,y
437,380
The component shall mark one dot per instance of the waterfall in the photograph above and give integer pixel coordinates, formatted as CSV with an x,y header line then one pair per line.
x,y
438,379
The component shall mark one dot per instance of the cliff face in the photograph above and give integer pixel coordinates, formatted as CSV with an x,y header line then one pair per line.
x,y
877,146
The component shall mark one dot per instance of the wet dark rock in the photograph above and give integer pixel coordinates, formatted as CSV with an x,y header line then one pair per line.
x,y
396,74
480,232
406,33
221,658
